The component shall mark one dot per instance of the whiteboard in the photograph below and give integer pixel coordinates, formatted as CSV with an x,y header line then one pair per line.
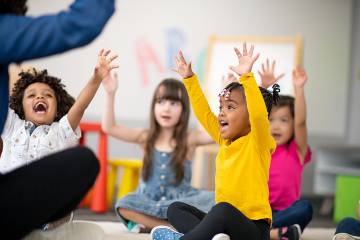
x,y
285,50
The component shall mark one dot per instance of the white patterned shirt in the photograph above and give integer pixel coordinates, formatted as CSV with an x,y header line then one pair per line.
x,y
21,148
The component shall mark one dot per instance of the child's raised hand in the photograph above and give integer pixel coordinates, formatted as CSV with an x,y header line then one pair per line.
x,y
268,74
183,68
110,83
246,60
104,64
299,77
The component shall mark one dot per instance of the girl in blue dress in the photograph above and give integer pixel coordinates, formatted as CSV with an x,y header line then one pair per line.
x,y
167,147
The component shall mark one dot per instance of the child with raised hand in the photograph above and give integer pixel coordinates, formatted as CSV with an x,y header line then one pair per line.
x,y
288,126
43,118
168,148
242,130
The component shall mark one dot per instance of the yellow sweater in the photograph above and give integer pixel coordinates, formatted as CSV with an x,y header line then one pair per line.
x,y
242,166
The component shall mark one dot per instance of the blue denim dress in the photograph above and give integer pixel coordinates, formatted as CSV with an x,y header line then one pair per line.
x,y
154,196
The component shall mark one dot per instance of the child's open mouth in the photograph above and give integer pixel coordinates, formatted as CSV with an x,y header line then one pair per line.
x,y
166,117
276,135
223,125
40,108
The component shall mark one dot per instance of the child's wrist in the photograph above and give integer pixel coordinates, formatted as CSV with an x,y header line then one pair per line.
x,y
188,75
299,88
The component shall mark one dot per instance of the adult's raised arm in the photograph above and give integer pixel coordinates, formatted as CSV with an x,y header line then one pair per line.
x,y
24,38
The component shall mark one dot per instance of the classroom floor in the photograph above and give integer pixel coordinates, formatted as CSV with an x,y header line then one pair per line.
x,y
92,226
319,221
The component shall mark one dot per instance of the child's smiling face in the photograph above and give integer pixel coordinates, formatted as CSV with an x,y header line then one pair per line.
x,y
233,117
39,104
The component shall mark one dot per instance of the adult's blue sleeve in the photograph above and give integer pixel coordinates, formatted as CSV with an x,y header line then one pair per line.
x,y
23,38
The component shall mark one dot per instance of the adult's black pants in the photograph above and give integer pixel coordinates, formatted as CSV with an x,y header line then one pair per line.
x,y
45,190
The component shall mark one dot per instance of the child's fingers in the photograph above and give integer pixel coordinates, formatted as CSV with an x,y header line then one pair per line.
x,y
107,52
113,66
263,67
112,58
256,57
181,56
267,64
280,76
101,52
244,49
251,50
273,66
177,60
261,75
238,53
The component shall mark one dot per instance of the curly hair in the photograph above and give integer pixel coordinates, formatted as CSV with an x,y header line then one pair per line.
x,y
63,99
270,98
17,7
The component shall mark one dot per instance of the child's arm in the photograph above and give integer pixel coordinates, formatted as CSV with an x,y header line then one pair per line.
x,y
299,80
258,115
268,74
101,71
198,101
199,138
108,123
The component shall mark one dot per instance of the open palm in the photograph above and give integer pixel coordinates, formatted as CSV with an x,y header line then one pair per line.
x,y
267,75
182,67
110,83
246,60
299,77
104,64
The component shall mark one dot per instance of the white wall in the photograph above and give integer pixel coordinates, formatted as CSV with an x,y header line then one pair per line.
x,y
353,129
324,24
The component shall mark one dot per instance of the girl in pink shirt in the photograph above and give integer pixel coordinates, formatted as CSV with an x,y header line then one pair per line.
x,y
288,127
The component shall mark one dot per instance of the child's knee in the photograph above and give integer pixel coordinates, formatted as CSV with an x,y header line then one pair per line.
x,y
307,209
348,221
174,208
125,213
224,208
89,162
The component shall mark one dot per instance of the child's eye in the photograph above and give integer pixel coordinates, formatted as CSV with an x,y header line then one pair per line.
x,y
230,107
31,95
174,103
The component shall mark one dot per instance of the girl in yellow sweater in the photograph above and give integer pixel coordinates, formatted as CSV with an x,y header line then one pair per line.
x,y
242,209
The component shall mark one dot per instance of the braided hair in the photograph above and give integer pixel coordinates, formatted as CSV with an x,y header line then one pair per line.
x,y
270,98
